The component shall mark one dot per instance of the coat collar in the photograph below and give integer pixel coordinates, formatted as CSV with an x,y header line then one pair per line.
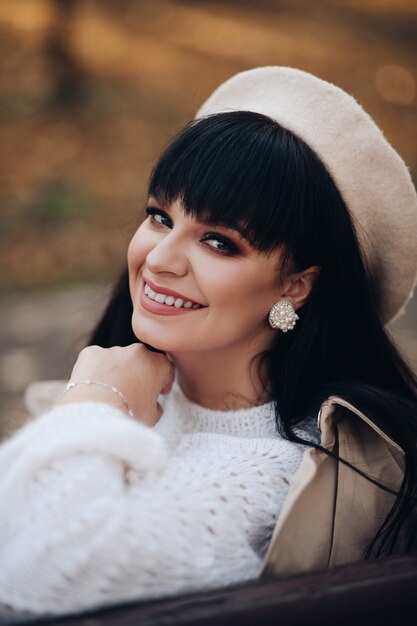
x,y
328,414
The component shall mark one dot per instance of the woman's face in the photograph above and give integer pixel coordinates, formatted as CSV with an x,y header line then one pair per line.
x,y
214,267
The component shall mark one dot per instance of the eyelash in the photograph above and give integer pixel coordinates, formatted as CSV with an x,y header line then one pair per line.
x,y
231,247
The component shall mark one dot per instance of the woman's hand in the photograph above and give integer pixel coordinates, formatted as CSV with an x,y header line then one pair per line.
x,y
139,374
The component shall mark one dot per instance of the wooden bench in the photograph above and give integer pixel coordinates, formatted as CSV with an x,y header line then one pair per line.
x,y
359,594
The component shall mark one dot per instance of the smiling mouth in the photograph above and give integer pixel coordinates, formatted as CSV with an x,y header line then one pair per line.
x,y
153,306
168,300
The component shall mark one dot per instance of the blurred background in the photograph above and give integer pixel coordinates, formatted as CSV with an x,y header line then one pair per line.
x,y
90,93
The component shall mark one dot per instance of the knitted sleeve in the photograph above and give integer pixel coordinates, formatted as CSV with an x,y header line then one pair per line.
x,y
95,511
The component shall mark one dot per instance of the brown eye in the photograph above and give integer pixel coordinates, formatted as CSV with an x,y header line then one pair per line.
x,y
157,217
223,245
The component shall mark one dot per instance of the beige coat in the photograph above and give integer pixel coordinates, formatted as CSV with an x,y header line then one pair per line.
x,y
331,512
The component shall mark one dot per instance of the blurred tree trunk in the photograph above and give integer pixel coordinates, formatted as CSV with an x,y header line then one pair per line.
x,y
68,75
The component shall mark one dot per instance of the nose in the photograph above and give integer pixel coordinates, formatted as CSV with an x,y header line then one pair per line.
x,y
168,255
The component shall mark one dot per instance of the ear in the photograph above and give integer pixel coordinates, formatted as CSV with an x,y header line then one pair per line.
x,y
297,287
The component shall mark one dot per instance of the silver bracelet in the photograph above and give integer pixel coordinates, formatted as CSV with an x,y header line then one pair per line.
x,y
113,389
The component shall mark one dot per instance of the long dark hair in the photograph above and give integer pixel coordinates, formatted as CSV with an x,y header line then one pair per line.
x,y
243,168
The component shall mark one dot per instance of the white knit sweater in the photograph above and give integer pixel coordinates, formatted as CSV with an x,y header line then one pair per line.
x,y
98,508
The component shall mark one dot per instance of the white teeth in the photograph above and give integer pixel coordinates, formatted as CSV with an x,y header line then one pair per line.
x,y
169,300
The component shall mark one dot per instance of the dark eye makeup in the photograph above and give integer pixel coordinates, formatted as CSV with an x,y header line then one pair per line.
x,y
226,246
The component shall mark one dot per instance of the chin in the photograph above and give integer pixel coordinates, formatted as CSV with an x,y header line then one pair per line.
x,y
153,337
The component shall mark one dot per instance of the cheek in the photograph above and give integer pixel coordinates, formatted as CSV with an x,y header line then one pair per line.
x,y
244,299
239,304
235,288
139,246
238,298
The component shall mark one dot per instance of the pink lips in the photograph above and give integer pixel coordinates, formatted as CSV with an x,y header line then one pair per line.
x,y
167,292
159,308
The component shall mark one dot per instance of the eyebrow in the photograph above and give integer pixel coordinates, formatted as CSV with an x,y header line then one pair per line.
x,y
202,220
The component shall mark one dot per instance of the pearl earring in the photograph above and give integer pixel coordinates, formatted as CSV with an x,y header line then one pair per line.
x,y
283,316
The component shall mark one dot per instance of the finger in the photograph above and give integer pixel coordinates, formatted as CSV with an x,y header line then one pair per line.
x,y
159,411
170,381
152,349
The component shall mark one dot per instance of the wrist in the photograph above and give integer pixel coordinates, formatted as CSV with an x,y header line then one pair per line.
x,y
92,391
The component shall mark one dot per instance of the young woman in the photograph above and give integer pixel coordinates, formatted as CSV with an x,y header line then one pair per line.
x,y
241,410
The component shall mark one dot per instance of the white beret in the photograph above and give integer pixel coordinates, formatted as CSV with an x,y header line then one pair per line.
x,y
370,175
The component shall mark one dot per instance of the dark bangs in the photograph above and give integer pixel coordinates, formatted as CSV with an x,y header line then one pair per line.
x,y
241,170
